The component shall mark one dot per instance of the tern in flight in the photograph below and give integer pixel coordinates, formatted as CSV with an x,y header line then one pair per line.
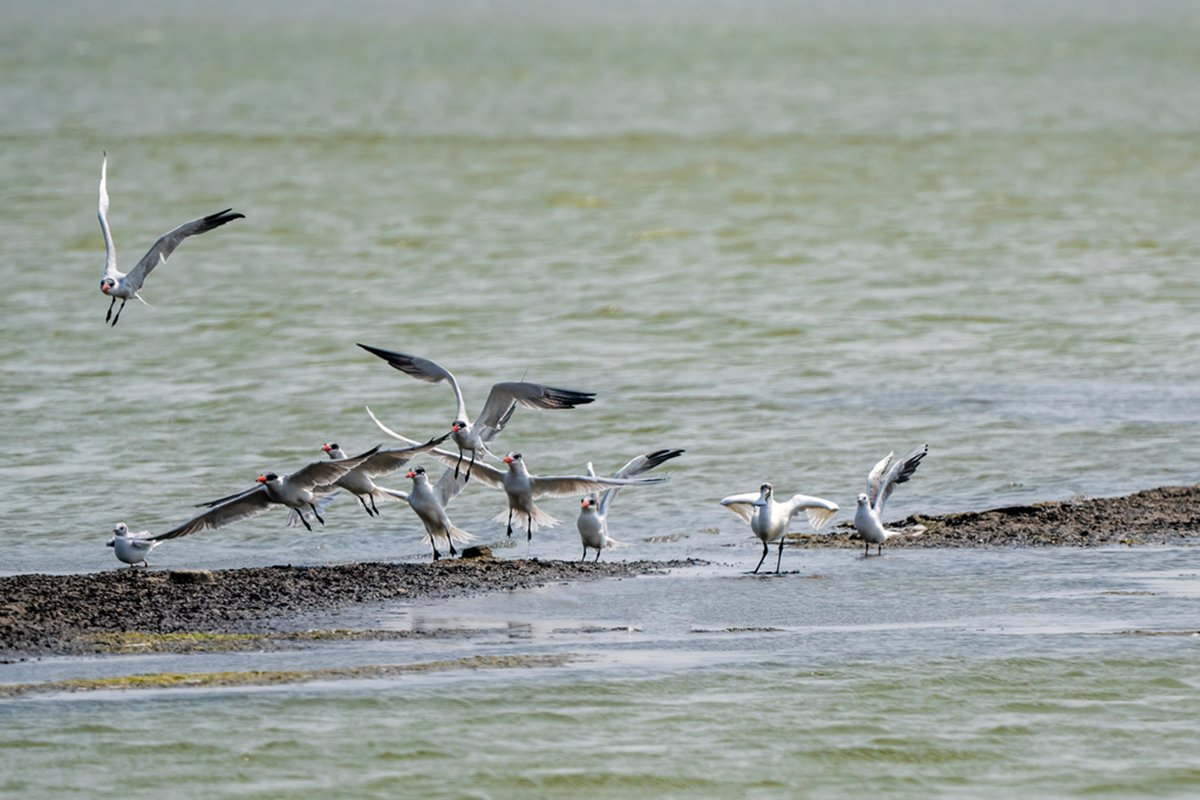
x,y
474,437
126,285
298,491
131,548
882,479
429,502
769,519
593,510
360,480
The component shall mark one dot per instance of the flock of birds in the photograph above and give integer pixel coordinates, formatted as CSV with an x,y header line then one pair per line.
x,y
307,492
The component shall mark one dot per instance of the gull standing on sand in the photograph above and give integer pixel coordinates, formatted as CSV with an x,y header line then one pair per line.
x,y
882,479
593,512
501,403
297,490
131,548
123,285
359,481
770,519
429,502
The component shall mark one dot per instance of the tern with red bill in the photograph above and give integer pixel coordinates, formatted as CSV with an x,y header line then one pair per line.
x,y
299,490
502,401
360,480
881,480
429,502
769,519
124,286
593,510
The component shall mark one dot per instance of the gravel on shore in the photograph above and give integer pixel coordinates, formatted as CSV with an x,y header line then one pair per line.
x,y
66,614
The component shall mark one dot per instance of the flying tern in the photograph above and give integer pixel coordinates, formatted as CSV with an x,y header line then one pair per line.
x,y
593,510
297,490
360,480
882,479
474,437
124,285
429,502
769,519
131,548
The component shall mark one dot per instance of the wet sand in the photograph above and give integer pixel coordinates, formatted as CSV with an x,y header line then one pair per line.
x,y
73,614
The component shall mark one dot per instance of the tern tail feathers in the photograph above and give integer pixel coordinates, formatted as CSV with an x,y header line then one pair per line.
x,y
457,535
540,518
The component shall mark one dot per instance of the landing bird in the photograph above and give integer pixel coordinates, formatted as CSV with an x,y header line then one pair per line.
x,y
359,481
501,403
296,490
127,285
593,511
131,548
429,501
770,519
883,478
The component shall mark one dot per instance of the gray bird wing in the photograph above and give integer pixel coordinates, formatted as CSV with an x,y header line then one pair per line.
x,y
505,397
423,369
636,466
575,485
167,243
900,472
244,506
387,461
323,473
110,249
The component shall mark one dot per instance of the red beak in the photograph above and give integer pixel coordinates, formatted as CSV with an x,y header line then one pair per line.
x,y
104,288
508,459
261,479
455,429
326,448
410,474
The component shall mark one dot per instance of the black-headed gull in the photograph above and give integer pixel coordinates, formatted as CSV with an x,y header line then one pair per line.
x,y
769,519
131,548
117,284
882,479
297,490
593,511
474,437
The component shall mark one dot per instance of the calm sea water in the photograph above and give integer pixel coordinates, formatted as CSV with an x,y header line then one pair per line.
x,y
787,237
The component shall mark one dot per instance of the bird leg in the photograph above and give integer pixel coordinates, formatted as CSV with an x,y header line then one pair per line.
x,y
471,464
374,507
879,549
119,310
317,514
510,512
108,316
584,556
764,557
366,508
302,519
458,463
529,528
779,559
597,558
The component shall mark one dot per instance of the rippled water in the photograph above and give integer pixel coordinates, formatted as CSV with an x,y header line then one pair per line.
x,y
785,237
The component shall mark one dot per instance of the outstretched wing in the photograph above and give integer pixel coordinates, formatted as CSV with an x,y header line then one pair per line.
x,y
244,506
899,473
505,397
636,466
323,473
423,370
387,461
167,243
742,504
110,249
575,485
819,510
875,477
448,487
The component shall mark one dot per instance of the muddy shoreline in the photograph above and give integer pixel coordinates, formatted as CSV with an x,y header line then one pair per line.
x,y
79,614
